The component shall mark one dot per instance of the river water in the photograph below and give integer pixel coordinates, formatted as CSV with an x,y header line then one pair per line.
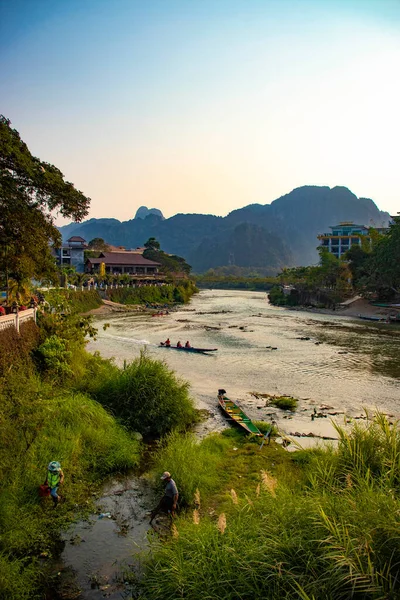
x,y
346,364
344,367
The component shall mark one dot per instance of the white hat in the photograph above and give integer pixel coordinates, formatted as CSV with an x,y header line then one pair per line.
x,y
165,475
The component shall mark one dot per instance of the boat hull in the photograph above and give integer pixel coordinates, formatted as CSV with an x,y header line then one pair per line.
x,y
237,416
195,350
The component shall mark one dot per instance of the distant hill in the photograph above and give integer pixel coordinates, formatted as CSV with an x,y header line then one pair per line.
x,y
283,233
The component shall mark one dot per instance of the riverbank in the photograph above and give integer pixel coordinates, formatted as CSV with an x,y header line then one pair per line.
x,y
60,403
108,307
262,523
353,310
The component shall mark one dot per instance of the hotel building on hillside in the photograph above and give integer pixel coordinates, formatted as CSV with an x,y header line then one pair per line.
x,y
343,236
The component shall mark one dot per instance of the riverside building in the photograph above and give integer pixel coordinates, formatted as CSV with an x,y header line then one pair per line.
x,y
343,236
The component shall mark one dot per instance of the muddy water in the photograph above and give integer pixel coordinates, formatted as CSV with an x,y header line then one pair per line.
x,y
100,554
345,366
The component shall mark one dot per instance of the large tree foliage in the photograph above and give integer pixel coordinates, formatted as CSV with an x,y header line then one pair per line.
x,y
31,192
384,263
170,263
98,244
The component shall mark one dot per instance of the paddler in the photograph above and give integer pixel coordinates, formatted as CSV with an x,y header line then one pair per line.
x,y
179,345
187,345
167,343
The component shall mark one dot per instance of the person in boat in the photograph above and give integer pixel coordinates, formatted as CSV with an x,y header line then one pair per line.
x,y
179,345
169,501
55,477
167,343
187,345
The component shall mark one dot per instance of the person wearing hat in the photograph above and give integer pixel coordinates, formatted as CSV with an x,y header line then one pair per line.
x,y
169,501
55,477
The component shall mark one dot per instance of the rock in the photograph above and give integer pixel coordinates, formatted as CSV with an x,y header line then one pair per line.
x,y
143,212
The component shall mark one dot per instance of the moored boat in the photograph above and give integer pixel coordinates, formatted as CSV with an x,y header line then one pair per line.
x,y
236,415
372,318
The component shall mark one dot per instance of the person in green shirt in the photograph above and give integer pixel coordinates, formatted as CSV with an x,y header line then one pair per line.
x,y
55,477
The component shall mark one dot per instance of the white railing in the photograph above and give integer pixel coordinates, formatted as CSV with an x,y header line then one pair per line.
x,y
15,319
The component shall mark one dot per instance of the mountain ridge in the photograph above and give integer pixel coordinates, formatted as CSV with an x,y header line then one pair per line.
x,y
283,232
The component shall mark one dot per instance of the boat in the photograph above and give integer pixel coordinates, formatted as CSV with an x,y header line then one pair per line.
x,y
198,350
372,318
236,415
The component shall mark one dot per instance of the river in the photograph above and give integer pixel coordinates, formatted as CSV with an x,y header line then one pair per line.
x,y
344,367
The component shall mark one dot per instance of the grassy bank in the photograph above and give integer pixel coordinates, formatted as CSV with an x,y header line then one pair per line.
x,y
164,294
319,524
73,301
61,403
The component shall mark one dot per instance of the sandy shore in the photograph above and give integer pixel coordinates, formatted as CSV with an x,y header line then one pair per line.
x,y
355,309
109,307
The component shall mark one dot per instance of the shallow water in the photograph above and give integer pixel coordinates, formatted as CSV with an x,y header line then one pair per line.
x,y
356,366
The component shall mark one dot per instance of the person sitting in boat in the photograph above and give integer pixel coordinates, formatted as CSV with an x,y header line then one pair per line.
x,y
179,345
167,343
187,345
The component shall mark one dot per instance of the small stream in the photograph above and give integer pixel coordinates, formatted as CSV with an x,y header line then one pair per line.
x,y
100,555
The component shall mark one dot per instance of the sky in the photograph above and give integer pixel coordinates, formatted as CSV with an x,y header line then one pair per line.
x,y
205,106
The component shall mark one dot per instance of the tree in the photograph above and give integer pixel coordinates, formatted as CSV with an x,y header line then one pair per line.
x,y
98,244
385,263
31,192
152,244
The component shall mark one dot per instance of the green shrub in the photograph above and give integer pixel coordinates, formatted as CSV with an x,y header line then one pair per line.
x,y
16,349
73,302
284,402
276,296
54,356
146,396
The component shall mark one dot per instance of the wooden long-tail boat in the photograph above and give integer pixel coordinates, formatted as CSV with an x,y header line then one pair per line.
x,y
198,350
236,415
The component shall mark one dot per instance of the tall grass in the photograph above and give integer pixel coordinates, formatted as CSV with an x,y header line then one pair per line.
x,y
39,424
146,396
333,534
193,465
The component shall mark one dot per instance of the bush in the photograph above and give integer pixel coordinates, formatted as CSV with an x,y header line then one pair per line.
x,y
15,349
284,402
146,396
73,302
55,356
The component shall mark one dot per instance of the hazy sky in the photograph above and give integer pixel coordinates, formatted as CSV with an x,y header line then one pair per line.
x,y
206,105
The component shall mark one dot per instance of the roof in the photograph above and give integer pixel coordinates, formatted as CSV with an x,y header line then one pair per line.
x,y
76,238
348,224
123,258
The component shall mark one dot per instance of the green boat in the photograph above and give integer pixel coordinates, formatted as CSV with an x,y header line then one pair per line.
x,y
236,415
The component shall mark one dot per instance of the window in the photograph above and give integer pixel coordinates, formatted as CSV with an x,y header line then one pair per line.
x,y
65,252
325,242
